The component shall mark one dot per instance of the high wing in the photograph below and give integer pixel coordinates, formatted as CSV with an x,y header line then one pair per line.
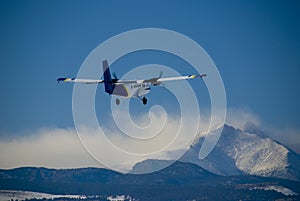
x,y
154,81
159,80
180,78
94,81
84,81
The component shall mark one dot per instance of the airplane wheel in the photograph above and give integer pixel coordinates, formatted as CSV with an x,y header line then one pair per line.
x,y
118,101
144,100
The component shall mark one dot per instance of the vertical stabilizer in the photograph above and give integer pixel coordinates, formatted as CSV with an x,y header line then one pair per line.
x,y
108,84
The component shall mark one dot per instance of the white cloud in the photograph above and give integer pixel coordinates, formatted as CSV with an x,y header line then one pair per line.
x,y
136,144
54,148
62,148
240,118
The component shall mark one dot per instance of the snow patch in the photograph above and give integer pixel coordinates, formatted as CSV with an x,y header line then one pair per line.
x,y
279,189
23,195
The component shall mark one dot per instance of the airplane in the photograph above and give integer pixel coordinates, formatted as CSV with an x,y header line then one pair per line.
x,y
127,88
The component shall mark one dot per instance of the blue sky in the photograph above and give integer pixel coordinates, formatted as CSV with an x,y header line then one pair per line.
x,y
254,44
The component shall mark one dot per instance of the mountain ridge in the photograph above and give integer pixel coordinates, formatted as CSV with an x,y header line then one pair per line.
x,y
239,152
179,181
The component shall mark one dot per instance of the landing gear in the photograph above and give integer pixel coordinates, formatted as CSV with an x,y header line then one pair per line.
x,y
118,101
144,100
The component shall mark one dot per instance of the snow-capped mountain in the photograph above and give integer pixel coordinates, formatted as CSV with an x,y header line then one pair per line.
x,y
240,152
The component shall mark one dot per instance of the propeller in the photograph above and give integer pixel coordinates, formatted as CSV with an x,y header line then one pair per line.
x,y
115,75
154,80
160,74
115,78
155,83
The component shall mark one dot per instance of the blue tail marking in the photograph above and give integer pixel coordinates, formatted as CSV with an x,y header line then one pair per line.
x,y
108,83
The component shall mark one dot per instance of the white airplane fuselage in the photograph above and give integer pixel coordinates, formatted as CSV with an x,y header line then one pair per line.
x,y
137,90
127,88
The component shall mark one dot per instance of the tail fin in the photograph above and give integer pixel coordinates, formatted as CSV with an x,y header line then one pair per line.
x,y
108,84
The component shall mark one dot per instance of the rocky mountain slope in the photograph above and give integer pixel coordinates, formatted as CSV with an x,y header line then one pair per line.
x,y
239,152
